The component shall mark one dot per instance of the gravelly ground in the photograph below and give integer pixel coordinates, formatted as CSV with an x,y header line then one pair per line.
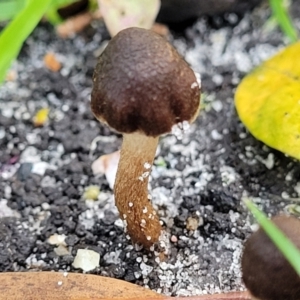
x,y
45,170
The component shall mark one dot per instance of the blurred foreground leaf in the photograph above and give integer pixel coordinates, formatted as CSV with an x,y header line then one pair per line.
x,y
282,17
9,8
286,247
52,14
268,101
119,15
16,32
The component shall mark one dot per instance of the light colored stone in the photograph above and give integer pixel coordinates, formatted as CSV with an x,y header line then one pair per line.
x,y
87,260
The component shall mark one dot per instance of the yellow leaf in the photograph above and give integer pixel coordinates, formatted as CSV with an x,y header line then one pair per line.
x,y
268,101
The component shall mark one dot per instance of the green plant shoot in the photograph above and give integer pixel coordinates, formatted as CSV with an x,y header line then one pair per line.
x,y
282,17
16,32
52,15
9,8
286,247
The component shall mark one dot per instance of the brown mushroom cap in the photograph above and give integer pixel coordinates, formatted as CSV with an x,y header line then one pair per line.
x,y
142,84
266,273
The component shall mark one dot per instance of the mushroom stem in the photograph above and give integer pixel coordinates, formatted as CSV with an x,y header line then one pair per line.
x,y
131,188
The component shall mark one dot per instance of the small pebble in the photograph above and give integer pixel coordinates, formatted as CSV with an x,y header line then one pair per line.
x,y
87,260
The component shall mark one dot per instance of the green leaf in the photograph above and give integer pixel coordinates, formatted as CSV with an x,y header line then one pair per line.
x,y
282,16
9,8
52,15
61,3
286,247
16,32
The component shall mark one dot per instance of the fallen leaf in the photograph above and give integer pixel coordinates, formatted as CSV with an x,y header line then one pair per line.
x,y
51,62
268,101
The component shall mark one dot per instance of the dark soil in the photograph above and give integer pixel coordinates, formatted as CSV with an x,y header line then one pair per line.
x,y
44,171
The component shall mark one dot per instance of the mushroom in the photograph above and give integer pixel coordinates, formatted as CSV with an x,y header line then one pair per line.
x,y
266,273
141,88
